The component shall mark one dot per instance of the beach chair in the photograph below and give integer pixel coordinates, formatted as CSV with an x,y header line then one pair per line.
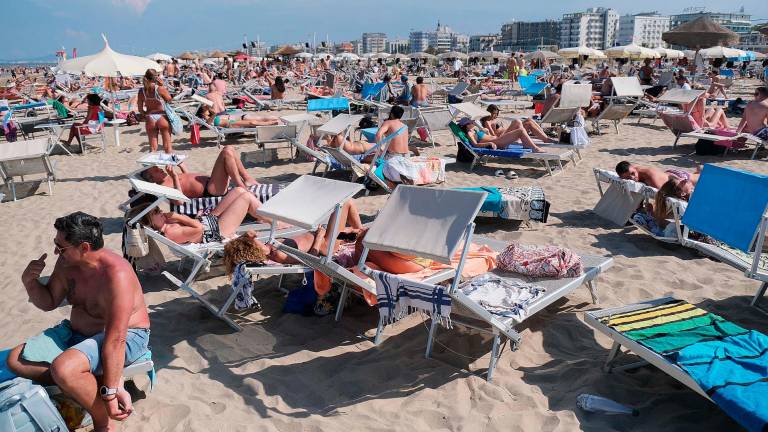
x,y
715,358
679,122
530,86
622,199
573,98
434,119
624,98
731,207
201,255
20,159
434,224
481,155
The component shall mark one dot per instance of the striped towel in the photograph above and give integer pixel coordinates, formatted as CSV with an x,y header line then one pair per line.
x,y
399,297
197,205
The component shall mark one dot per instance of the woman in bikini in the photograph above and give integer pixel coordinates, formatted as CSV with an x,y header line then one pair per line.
x,y
239,121
151,99
220,223
675,187
493,125
484,139
247,248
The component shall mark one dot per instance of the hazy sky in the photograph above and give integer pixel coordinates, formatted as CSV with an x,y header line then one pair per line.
x,y
36,28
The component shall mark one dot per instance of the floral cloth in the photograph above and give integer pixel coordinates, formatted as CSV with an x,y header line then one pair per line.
x,y
540,261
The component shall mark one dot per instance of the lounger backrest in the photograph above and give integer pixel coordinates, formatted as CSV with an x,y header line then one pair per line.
x,y
371,90
576,96
424,222
328,104
308,201
157,190
469,109
339,124
20,150
275,133
458,89
665,78
627,87
437,120
526,81
679,122
728,205
680,96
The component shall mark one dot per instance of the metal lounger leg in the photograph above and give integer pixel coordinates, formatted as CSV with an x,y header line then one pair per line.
x,y
758,295
592,286
342,301
546,164
431,338
379,333
495,354
615,350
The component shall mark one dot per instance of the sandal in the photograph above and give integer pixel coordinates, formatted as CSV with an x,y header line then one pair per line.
x,y
511,175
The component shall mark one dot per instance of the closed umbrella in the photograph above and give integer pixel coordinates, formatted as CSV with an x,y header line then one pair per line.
x,y
699,33
108,63
160,57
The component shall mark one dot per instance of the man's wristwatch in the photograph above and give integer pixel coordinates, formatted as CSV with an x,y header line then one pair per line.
x,y
106,392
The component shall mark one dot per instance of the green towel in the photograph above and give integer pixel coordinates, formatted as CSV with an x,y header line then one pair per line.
x,y
49,344
61,110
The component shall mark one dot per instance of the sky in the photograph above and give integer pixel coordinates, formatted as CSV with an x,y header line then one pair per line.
x,y
142,27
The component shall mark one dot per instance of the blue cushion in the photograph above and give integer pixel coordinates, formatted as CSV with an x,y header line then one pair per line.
x,y
728,205
369,134
330,104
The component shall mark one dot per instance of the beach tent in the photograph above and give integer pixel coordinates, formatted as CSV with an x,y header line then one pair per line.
x,y
109,63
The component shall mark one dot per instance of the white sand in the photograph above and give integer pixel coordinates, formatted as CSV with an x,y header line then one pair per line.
x,y
288,373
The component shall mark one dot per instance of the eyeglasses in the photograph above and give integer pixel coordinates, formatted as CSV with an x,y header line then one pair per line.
x,y
58,249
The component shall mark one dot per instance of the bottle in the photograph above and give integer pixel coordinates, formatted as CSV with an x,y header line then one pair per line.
x,y
599,404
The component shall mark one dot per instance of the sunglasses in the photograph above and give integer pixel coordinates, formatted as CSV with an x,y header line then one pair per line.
x,y
59,250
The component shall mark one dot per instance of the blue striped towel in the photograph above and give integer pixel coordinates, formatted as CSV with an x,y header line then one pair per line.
x,y
397,298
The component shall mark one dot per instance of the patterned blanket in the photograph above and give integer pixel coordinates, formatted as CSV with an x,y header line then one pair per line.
x,y
262,191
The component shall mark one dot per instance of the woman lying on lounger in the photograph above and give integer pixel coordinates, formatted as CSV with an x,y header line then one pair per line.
x,y
237,121
484,139
492,123
222,222
247,248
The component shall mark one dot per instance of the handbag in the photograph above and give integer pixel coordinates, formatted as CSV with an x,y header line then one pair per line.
x,y
173,119
194,135
136,244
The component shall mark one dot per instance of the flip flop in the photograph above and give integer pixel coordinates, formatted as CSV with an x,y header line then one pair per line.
x,y
499,173
511,175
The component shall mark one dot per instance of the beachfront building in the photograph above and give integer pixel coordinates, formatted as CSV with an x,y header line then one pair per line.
x,y
357,46
595,28
753,41
530,35
738,22
344,47
398,46
484,42
374,42
443,38
642,29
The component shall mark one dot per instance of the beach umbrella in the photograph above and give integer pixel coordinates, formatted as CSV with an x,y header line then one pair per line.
x,y
160,57
286,50
218,54
349,56
541,55
720,52
242,57
580,51
303,55
399,56
421,55
108,63
631,51
452,55
701,32
490,55
670,53
188,56
380,55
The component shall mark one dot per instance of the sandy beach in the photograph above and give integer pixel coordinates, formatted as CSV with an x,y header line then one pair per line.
x,y
287,372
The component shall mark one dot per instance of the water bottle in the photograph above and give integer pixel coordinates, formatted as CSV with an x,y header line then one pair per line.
x,y
599,404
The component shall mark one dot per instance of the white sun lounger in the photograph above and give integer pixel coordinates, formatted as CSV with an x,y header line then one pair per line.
x,y
625,97
573,98
25,158
201,255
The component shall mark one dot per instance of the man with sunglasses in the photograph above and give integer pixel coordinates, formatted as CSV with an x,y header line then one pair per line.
x,y
108,326
755,120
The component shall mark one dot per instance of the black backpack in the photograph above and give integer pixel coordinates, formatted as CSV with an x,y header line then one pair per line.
x,y
464,155
708,148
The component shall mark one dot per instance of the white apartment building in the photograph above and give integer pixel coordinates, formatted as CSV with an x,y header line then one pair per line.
x,y
643,29
595,28
398,46
442,39
418,41
374,42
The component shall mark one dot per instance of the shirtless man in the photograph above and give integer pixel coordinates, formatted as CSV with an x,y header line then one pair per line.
x,y
398,144
216,96
419,93
755,120
172,69
653,177
227,167
108,326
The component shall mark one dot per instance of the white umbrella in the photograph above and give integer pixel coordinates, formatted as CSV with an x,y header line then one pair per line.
x,y
349,56
631,51
452,54
109,63
380,55
670,53
720,52
579,51
160,57
303,55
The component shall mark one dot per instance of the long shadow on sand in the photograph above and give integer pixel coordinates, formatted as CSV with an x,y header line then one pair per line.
x,y
664,403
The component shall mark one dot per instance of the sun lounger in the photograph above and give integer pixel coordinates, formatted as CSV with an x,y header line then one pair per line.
x,y
25,158
572,99
625,97
731,207
679,122
434,119
201,255
736,140
717,359
622,199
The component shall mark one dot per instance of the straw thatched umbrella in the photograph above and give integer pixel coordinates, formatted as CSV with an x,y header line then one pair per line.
x,y
287,50
399,56
452,54
217,54
490,55
188,56
541,55
700,33
421,55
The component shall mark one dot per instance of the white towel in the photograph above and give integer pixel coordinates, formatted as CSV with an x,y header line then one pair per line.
x,y
243,286
503,297
399,297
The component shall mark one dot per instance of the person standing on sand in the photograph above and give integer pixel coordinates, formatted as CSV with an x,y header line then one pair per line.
x,y
152,97
107,329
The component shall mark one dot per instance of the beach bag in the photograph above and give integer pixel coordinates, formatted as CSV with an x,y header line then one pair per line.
x,y
173,119
131,119
136,244
26,407
579,137
708,148
540,261
194,134
302,299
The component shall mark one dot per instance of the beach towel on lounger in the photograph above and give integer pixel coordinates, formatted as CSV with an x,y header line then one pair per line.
x,y
197,205
398,297
540,261
504,297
